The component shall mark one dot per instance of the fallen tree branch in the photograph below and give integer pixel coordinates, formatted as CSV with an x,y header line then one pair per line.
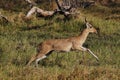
x,y
63,7
41,12
3,17
64,10
32,3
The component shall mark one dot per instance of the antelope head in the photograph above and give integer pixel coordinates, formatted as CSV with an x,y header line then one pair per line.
x,y
90,28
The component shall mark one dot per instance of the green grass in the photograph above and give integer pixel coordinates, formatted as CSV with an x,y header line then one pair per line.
x,y
18,41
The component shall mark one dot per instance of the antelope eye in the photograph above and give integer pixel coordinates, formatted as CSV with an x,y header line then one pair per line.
x,y
90,26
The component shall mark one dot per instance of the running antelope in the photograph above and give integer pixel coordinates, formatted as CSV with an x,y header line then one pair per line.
x,y
73,43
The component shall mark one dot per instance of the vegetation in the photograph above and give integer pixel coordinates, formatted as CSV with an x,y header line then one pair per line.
x,y
18,41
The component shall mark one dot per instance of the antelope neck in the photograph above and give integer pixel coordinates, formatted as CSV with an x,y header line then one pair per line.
x,y
84,34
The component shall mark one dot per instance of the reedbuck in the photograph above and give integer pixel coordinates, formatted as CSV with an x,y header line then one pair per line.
x,y
73,43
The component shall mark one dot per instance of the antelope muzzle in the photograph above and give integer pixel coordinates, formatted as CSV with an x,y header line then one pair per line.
x,y
98,31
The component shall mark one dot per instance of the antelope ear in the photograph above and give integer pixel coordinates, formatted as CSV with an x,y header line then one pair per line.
x,y
87,25
85,20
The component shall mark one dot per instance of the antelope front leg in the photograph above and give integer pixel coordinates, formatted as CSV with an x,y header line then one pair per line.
x,y
86,49
93,54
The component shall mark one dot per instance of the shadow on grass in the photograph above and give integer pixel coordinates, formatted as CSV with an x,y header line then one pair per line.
x,y
51,63
59,63
35,27
89,63
1,51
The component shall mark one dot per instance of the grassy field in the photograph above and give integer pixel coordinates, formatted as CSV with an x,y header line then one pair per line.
x,y
18,41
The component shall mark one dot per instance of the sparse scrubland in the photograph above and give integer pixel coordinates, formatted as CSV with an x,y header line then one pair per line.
x,y
19,38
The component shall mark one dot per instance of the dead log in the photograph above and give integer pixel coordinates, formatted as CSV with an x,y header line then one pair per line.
x,y
63,8
4,18
32,3
66,10
40,12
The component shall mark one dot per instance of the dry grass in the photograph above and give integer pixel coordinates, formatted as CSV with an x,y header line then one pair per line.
x,y
18,42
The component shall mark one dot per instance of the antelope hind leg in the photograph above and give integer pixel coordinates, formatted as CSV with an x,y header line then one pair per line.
x,y
39,58
31,60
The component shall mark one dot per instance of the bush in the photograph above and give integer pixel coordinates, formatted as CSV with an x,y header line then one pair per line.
x,y
107,2
12,5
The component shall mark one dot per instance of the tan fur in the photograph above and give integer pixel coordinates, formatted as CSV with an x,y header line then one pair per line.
x,y
72,43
